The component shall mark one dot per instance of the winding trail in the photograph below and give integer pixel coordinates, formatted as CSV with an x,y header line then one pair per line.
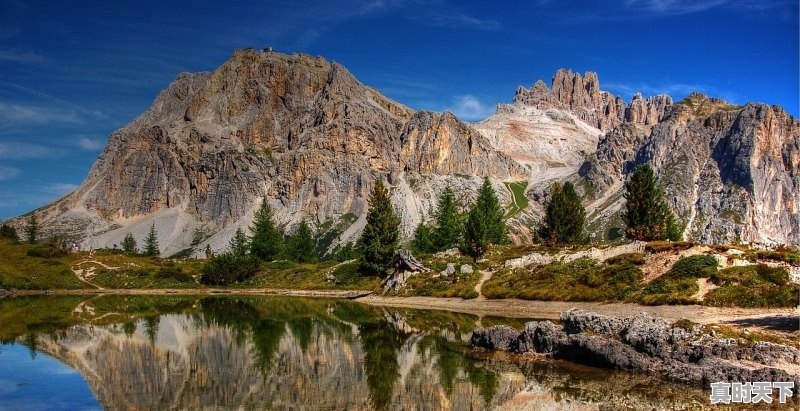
x,y
485,276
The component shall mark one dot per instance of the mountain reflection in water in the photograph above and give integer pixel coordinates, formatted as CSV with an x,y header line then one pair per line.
x,y
192,352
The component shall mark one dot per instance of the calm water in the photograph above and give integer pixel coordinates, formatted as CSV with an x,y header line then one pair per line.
x,y
188,352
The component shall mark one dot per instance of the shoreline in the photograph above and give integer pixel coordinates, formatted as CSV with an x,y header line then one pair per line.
x,y
508,308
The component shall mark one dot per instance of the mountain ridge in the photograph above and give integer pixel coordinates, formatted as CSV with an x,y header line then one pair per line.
x,y
306,135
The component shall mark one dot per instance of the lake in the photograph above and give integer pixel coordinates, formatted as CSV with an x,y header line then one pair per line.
x,y
251,352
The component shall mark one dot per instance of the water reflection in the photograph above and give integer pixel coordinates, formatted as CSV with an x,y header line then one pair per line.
x,y
183,352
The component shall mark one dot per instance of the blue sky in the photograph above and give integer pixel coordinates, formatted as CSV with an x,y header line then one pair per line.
x,y
73,72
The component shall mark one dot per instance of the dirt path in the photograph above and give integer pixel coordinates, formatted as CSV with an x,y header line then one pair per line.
x,y
705,285
551,310
485,276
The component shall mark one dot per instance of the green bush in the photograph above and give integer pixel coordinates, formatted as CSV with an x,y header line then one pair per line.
x,y
696,266
45,251
753,286
173,273
679,284
228,268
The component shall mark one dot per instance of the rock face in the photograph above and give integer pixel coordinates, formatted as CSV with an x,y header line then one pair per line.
x,y
302,133
298,131
730,173
645,344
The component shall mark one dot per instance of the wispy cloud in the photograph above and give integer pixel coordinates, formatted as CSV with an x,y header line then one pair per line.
x,y
29,151
7,172
458,21
12,115
59,189
90,144
470,108
672,7
643,9
27,57
52,99
674,90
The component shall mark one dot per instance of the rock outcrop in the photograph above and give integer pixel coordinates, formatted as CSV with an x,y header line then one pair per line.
x,y
645,344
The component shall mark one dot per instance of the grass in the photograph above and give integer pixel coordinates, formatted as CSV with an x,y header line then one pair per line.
x,y
580,280
753,286
519,201
433,285
311,276
678,284
20,271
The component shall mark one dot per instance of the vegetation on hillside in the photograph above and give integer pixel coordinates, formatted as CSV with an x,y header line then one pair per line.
x,y
647,214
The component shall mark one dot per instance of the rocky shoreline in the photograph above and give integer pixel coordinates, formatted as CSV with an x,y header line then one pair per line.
x,y
676,351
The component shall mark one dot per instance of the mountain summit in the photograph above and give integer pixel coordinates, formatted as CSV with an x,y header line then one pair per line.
x,y
304,134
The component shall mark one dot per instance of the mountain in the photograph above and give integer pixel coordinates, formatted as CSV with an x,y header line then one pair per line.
x,y
304,134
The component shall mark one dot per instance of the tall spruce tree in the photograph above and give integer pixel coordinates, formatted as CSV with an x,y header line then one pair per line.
x,y
564,216
448,224
378,242
485,223
647,214
423,239
266,242
129,244
301,246
9,232
239,244
32,229
151,243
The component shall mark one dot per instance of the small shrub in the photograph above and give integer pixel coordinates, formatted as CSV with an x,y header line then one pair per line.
x,y
228,268
45,251
174,274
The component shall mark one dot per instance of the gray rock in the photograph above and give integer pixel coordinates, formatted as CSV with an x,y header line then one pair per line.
x,y
466,269
495,338
449,270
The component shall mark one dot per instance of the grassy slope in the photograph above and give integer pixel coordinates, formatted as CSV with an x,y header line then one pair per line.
x,y
19,271
520,201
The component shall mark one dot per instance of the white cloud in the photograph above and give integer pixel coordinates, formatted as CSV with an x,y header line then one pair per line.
x,y
7,172
468,107
18,115
26,151
20,57
459,21
59,189
90,144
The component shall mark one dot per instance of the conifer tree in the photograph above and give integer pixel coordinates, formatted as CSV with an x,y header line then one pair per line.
x,y
378,241
239,245
266,242
647,214
485,223
448,224
301,246
32,229
564,216
7,231
151,243
423,239
129,244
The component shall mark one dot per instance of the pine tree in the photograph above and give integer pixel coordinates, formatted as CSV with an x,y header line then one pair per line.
x,y
129,244
151,243
485,223
344,253
266,242
564,216
423,239
448,224
647,214
7,231
32,229
301,246
378,241
239,245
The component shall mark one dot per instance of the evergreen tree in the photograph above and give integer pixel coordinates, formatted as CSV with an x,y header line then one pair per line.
x,y
6,231
345,253
485,223
151,243
32,229
448,224
564,216
239,245
301,246
378,242
647,215
266,242
423,239
475,241
129,244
